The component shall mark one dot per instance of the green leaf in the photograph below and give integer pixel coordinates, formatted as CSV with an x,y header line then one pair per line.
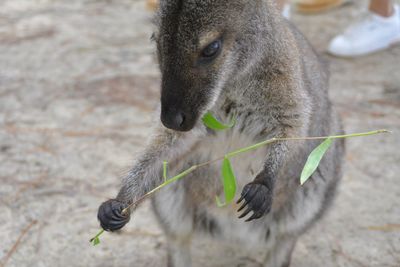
x,y
211,122
314,159
229,183
96,241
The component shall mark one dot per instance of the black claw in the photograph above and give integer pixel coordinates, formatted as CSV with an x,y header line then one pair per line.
x,y
245,213
244,194
257,198
253,217
242,207
250,198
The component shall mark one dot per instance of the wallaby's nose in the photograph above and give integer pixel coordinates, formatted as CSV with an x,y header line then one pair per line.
x,y
174,120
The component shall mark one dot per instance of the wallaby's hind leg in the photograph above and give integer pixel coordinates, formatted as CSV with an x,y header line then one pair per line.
x,y
177,222
280,255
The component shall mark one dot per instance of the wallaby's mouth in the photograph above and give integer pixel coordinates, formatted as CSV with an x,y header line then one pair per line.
x,y
178,120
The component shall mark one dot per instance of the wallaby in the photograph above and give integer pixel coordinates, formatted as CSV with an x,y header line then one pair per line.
x,y
241,59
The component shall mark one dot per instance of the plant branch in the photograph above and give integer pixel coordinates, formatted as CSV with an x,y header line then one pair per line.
x,y
233,154
269,141
167,182
240,151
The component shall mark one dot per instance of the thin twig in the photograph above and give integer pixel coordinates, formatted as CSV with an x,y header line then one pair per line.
x,y
179,176
16,244
243,150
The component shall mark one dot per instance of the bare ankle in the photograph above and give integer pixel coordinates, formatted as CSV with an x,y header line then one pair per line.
x,y
383,8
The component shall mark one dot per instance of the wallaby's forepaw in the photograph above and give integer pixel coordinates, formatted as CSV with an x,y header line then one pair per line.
x,y
257,198
110,215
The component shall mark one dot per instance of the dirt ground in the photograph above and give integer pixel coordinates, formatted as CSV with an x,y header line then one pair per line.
x,y
78,84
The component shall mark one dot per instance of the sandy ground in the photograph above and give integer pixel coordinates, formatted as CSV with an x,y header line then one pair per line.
x,y
78,83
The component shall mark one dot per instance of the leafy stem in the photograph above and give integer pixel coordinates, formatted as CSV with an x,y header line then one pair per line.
x,y
269,141
227,173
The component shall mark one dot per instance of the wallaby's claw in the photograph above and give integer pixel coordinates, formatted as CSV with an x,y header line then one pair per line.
x,y
257,198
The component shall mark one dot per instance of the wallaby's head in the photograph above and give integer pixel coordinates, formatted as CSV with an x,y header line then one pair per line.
x,y
202,44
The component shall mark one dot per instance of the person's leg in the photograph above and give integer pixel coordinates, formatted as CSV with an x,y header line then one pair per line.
x,y
377,32
152,4
316,6
384,8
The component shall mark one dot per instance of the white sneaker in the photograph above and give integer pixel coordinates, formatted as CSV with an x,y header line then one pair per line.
x,y
286,11
370,35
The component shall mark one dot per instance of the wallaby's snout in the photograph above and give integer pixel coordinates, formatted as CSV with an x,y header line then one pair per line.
x,y
176,119
181,100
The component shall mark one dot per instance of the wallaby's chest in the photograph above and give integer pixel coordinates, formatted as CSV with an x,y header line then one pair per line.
x,y
245,164
207,181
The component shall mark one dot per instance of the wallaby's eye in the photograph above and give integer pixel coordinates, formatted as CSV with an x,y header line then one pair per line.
x,y
212,49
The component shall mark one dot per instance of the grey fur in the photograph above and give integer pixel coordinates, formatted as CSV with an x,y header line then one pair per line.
x,y
270,78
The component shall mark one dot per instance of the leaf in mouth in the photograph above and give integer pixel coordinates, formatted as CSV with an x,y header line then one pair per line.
x,y
211,122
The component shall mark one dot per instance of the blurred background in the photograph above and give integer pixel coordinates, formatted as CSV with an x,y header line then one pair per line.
x,y
78,87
